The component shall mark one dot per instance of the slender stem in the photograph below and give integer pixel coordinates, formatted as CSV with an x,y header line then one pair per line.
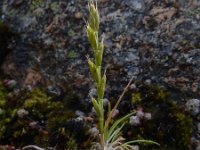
x,y
102,141
101,125
116,105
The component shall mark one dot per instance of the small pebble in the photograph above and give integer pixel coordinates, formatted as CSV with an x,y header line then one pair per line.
x,y
193,106
133,86
78,15
134,120
10,83
22,112
136,147
105,102
94,132
79,113
147,116
140,113
92,92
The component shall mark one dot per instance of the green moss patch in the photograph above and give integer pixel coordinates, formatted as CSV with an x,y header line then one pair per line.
x,y
32,117
169,126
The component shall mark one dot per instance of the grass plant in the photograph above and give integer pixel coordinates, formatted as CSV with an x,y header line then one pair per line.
x,y
109,136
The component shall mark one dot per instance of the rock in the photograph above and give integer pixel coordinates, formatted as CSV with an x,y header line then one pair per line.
x,y
148,81
29,22
92,92
147,116
162,14
140,113
134,120
10,84
39,12
34,125
80,118
78,15
198,146
94,132
198,127
105,102
22,112
132,58
53,91
133,87
15,2
137,5
136,147
193,106
32,77
79,113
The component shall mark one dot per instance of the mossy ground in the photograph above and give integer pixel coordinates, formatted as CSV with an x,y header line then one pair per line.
x,y
51,121
169,126
48,121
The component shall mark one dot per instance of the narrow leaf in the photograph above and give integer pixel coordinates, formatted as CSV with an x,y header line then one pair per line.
x,y
142,141
116,123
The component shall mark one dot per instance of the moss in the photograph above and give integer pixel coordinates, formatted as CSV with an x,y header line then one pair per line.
x,y
12,12
37,100
72,135
71,33
72,54
44,119
36,4
136,97
17,130
193,12
55,6
3,94
169,126
71,143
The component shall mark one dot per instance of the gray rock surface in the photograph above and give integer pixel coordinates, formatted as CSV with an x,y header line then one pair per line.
x,y
155,40
193,106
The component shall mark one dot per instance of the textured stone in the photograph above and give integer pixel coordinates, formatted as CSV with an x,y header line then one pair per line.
x,y
193,106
